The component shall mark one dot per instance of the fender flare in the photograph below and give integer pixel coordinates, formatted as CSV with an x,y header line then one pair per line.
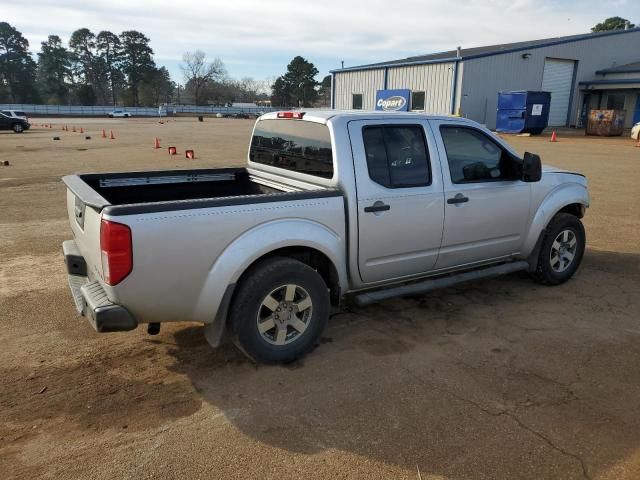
x,y
215,295
555,201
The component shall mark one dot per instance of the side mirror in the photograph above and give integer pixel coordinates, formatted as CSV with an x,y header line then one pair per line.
x,y
531,167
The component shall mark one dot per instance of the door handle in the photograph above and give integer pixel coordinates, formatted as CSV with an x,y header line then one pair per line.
x,y
377,207
459,198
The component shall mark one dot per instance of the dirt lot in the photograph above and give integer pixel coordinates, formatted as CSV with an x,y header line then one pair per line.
x,y
498,379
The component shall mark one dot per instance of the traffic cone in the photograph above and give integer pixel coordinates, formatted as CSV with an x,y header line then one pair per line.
x,y
111,135
81,130
104,134
74,128
172,150
63,128
50,126
156,144
554,137
189,154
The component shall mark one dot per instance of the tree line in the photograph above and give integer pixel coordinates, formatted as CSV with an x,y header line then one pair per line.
x,y
102,68
106,68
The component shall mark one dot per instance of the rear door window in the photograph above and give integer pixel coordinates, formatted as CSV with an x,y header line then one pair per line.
x,y
397,155
295,145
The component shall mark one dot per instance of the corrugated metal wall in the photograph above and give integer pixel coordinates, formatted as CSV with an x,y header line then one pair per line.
x,y
366,82
436,79
485,77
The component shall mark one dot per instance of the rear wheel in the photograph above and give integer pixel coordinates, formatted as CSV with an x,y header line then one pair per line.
x,y
279,311
561,250
18,128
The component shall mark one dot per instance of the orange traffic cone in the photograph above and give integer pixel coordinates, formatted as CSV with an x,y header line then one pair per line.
x,y
554,137
172,150
111,135
81,130
156,143
104,134
189,154
50,126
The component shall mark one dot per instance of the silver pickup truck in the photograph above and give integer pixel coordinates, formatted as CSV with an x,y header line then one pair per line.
x,y
332,206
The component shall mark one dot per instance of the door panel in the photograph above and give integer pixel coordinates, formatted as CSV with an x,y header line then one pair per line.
x,y
484,220
399,229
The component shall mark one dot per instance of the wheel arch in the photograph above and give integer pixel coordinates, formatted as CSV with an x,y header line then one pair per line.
x,y
572,199
307,241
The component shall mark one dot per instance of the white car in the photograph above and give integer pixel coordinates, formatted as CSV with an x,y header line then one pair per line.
x,y
635,132
119,114
15,114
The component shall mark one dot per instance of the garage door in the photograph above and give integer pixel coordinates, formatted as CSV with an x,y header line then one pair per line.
x,y
557,79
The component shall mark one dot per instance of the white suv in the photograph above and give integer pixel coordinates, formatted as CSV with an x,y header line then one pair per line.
x,y
119,114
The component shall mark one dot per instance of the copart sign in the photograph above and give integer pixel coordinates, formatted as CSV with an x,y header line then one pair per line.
x,y
393,100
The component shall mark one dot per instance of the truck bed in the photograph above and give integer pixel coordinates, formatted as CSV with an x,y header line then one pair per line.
x,y
147,192
166,186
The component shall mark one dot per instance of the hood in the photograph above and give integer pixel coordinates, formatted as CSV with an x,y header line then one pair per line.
x,y
552,169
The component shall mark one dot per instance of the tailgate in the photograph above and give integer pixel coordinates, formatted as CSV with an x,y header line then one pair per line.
x,y
84,219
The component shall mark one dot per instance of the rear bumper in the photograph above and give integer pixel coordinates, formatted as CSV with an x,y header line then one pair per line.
x,y
90,298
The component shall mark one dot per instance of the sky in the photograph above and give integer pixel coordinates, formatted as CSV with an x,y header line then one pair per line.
x,y
258,38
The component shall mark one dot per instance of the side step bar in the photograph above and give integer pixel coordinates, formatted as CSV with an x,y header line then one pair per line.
x,y
375,296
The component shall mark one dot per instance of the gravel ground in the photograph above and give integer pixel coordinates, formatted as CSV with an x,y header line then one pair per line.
x,y
496,379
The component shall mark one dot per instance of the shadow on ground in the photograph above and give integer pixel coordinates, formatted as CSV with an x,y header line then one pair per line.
x,y
500,379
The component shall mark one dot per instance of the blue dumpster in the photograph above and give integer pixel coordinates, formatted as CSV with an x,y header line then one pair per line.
x,y
523,112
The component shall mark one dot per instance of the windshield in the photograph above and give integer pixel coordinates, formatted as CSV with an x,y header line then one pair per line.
x,y
20,114
294,145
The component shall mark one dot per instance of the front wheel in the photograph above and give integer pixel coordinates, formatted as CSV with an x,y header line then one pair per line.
x,y
279,311
18,128
561,250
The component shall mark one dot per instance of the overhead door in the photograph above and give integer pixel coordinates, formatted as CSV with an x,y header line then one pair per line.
x,y
557,79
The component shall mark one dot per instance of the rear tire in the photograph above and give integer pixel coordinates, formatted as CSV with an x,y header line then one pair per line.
x,y
279,311
18,128
561,250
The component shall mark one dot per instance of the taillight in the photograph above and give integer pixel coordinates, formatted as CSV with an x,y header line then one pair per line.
x,y
116,250
296,115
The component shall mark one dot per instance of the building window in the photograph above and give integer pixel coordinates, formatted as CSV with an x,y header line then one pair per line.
x,y
615,102
417,100
356,101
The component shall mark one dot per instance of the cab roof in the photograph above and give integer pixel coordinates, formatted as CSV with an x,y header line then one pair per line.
x,y
322,116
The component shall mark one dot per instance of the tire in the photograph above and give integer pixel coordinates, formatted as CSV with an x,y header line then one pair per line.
x,y
279,311
561,250
17,128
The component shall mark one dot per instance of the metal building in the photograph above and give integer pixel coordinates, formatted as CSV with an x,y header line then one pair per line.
x,y
595,70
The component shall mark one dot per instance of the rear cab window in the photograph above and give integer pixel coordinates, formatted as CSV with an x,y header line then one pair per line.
x,y
294,145
20,114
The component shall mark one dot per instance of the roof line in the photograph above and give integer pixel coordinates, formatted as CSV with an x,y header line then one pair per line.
x,y
551,42
621,81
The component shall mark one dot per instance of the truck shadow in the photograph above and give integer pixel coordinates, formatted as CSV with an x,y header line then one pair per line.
x,y
500,378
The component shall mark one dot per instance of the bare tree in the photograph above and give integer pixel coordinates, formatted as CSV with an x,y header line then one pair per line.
x,y
199,73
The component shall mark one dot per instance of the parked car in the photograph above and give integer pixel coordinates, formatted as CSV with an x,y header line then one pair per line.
x,y
16,124
635,132
119,114
16,114
332,205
